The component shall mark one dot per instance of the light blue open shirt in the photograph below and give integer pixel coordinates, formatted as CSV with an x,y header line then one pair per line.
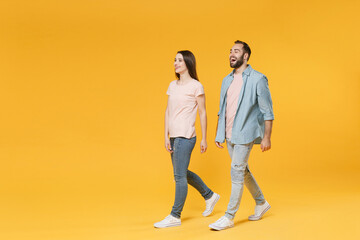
x,y
254,107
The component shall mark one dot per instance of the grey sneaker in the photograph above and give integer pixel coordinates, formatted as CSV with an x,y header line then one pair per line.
x,y
222,223
169,221
260,210
210,204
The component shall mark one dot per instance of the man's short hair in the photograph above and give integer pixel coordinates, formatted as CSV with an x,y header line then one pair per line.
x,y
246,48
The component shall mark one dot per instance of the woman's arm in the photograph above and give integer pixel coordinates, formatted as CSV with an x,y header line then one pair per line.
x,y
167,140
203,121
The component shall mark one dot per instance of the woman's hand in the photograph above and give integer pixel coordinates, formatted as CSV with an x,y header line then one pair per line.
x,y
203,146
168,145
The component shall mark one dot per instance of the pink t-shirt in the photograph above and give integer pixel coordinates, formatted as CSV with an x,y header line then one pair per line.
x,y
232,103
182,107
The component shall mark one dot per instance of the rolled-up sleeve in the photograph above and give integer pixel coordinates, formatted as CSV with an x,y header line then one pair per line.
x,y
221,96
264,99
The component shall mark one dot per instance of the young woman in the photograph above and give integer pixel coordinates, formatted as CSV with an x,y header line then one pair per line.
x,y
186,96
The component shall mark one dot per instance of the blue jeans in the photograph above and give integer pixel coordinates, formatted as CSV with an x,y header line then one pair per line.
x,y
240,173
182,148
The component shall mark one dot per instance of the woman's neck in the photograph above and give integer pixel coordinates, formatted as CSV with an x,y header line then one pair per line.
x,y
185,77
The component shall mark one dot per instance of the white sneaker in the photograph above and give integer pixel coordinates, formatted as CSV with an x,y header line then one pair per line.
x,y
222,223
260,210
169,221
210,204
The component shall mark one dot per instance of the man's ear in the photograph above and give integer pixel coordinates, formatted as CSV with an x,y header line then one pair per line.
x,y
246,56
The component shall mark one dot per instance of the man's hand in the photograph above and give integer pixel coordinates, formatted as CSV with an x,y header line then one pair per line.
x,y
218,145
265,144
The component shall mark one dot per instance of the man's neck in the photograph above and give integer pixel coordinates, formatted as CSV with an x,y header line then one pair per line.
x,y
241,69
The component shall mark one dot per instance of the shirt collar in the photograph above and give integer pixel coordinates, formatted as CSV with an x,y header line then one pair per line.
x,y
246,71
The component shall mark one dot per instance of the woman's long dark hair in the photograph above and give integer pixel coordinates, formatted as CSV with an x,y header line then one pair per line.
x,y
190,63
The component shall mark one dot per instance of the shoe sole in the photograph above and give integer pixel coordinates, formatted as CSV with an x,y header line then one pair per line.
x,y
219,228
212,207
170,225
262,214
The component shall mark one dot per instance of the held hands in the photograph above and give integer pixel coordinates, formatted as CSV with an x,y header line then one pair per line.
x,y
203,146
168,145
265,144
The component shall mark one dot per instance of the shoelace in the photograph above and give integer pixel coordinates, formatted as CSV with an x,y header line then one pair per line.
x,y
259,210
208,204
170,218
222,219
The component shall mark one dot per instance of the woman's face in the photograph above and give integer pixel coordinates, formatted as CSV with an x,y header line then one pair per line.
x,y
179,64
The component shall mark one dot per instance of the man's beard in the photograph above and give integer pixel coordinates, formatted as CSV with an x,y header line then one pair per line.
x,y
238,62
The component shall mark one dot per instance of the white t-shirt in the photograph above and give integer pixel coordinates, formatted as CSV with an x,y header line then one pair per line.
x,y
182,107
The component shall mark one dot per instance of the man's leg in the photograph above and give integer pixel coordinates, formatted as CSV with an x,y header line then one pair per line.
x,y
240,156
262,206
253,187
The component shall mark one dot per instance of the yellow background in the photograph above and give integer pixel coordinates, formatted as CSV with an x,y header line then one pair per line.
x,y
82,100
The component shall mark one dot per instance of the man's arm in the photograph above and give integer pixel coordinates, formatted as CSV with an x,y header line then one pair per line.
x,y
265,105
217,143
266,142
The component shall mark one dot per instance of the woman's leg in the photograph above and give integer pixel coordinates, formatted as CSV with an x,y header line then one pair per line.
x,y
180,157
195,181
